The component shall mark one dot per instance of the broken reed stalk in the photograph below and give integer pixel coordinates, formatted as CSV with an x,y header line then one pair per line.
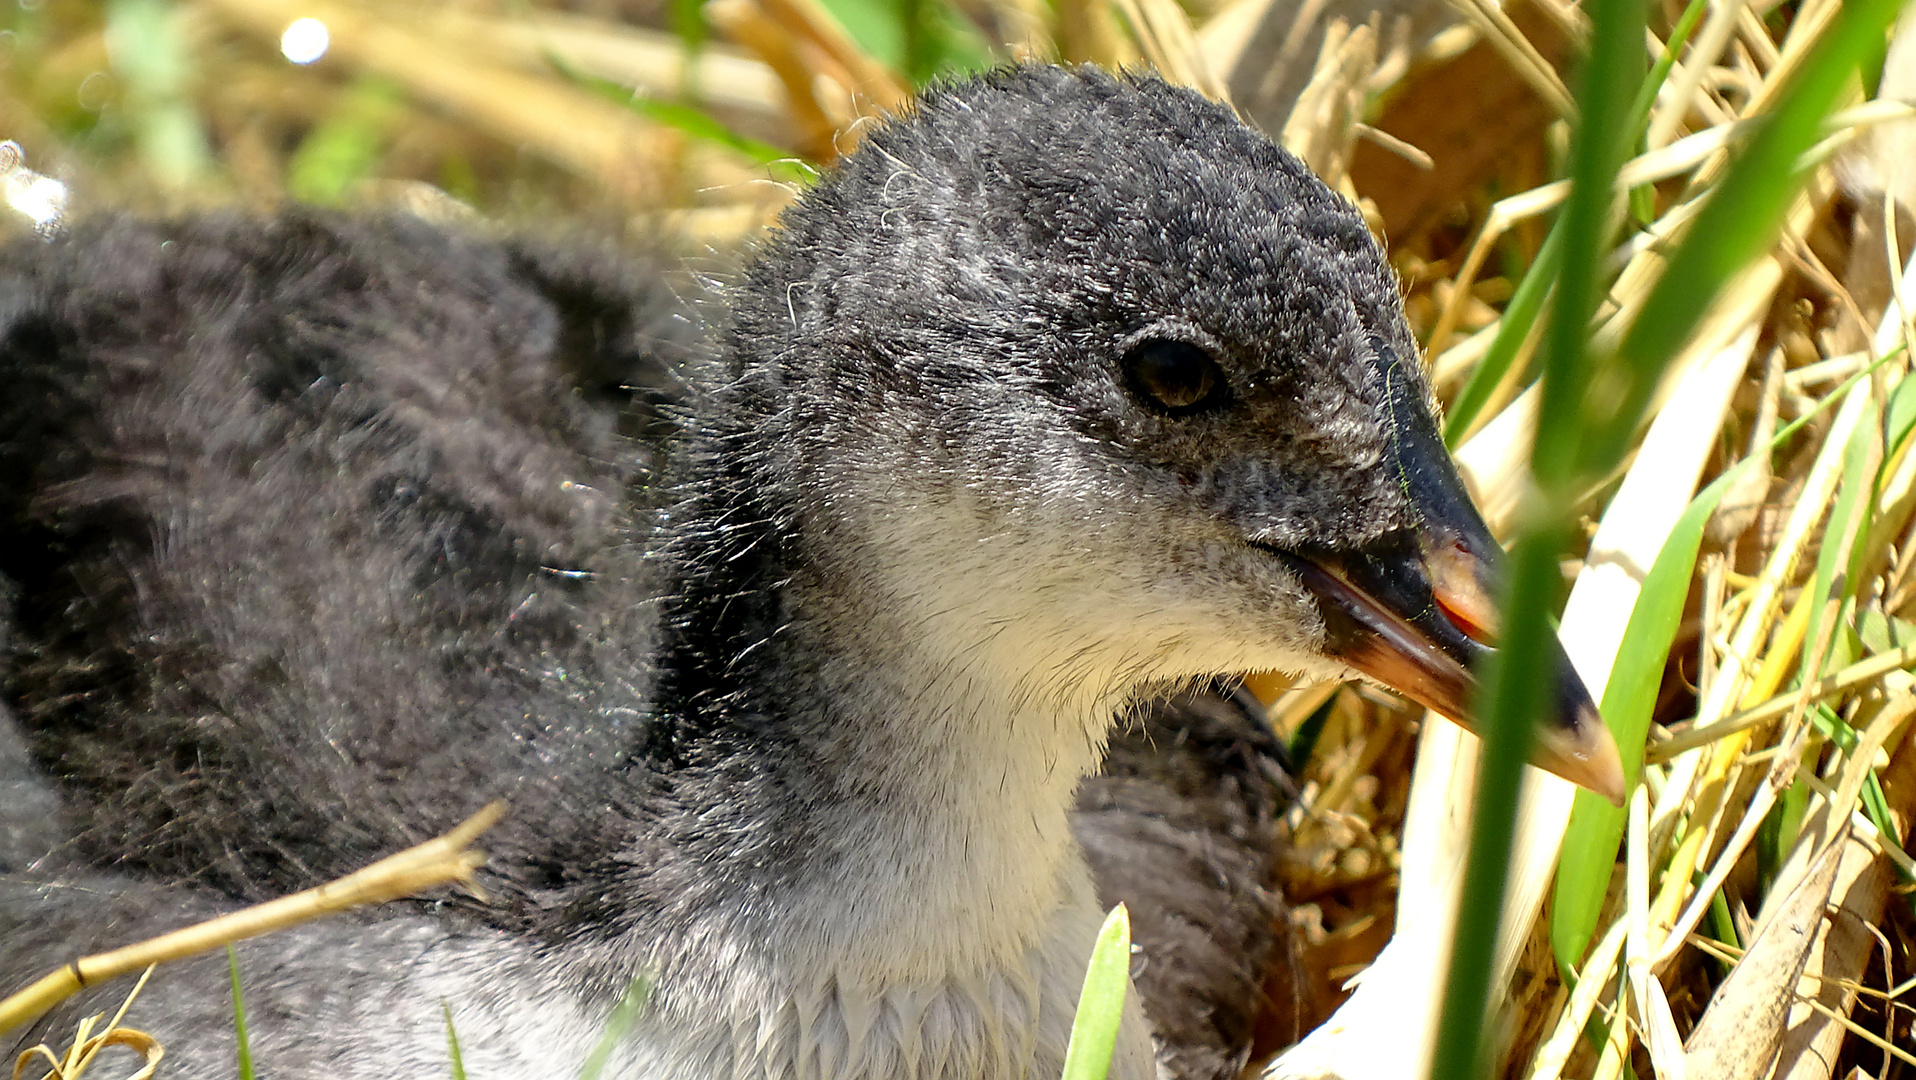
x,y
1850,678
86,1045
444,860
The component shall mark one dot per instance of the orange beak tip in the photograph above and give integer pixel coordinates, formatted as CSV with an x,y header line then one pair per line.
x,y
1586,756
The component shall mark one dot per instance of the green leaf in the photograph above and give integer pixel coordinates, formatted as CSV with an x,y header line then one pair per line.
x,y
1094,1030
1660,71
346,146
616,1026
1900,417
1520,314
1738,222
1590,842
1596,827
151,55
920,38
1511,695
452,1043
691,120
242,1045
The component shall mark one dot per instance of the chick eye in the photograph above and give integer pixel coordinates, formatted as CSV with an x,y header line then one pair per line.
x,y
1176,376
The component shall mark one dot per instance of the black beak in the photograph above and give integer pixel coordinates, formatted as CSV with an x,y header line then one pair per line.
x,y
1417,610
1418,617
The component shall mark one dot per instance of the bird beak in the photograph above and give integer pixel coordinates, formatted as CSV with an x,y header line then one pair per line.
x,y
1417,610
1417,618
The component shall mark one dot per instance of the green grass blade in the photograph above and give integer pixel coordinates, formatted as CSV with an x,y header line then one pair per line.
x,y
916,31
1520,314
687,18
1643,197
1723,924
689,119
1590,842
919,38
1094,1030
243,1046
700,124
1899,417
1660,71
1596,828
1739,221
452,1043
1778,833
1612,77
1899,425
616,1026
1854,495
155,61
1304,743
345,148
1511,695
1527,302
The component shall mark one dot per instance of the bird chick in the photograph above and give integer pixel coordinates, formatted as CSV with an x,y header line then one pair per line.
x,y
1062,390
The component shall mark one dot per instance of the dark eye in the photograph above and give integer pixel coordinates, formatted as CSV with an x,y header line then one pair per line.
x,y
1176,376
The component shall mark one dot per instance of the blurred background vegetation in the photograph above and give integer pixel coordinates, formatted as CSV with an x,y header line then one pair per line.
x,y
627,110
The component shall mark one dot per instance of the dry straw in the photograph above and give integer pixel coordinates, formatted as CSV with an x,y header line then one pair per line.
x,y
444,860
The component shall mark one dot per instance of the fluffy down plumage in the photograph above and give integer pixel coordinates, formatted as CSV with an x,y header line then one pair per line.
x,y
790,643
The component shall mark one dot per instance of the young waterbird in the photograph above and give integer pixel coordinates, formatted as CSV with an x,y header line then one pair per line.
x,y
1060,391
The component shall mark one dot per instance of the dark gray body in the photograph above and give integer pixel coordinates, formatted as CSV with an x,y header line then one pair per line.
x,y
323,537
